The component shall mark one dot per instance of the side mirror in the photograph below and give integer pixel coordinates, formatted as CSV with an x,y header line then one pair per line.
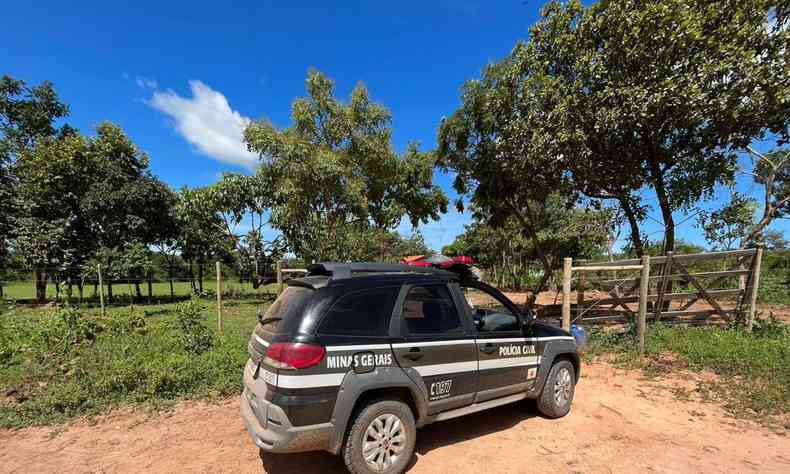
x,y
477,317
530,316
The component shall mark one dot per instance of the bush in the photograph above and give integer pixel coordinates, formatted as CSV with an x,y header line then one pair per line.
x,y
126,322
62,333
55,365
195,336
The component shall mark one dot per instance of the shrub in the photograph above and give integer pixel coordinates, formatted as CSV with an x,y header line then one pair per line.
x,y
195,337
62,333
126,322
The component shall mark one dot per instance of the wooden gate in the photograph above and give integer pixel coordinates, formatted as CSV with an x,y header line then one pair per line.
x,y
697,288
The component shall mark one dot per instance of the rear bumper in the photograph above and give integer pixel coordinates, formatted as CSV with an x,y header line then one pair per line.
x,y
269,426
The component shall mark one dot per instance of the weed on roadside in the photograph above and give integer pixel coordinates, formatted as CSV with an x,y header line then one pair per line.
x,y
753,368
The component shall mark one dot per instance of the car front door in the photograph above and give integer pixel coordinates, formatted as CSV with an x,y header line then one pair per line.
x,y
508,360
438,348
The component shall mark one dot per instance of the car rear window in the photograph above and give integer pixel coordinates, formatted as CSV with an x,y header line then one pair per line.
x,y
362,313
290,304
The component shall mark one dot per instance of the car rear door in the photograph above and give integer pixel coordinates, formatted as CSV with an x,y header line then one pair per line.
x,y
508,359
438,349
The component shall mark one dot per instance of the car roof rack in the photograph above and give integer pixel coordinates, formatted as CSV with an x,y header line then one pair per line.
x,y
339,270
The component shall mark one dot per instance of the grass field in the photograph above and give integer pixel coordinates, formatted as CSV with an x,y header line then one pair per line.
x,y
24,290
56,364
60,363
753,369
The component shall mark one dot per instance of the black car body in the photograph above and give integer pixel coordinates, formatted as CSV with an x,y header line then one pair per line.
x,y
348,335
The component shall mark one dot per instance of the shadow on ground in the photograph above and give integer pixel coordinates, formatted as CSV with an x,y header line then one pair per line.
x,y
433,436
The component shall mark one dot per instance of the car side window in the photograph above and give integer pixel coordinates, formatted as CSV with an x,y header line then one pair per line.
x,y
430,309
488,312
362,313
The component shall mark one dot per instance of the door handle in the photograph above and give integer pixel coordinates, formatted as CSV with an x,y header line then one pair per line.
x,y
414,354
487,348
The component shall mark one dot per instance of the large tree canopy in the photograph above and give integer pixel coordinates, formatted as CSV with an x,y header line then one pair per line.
x,y
334,167
659,94
79,194
27,115
618,98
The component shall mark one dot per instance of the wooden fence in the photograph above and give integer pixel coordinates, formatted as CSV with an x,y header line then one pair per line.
x,y
675,291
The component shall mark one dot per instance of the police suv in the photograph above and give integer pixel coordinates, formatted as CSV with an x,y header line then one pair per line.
x,y
353,358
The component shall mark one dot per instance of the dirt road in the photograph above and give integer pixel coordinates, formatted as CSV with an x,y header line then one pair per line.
x,y
620,423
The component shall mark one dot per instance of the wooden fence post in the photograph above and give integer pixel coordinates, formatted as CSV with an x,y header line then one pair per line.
x,y
753,290
644,284
101,291
566,293
279,277
580,287
219,297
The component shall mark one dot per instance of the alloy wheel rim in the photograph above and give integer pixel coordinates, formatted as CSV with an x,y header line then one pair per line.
x,y
562,387
384,442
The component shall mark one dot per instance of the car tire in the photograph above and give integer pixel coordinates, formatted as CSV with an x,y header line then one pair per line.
x,y
557,395
368,437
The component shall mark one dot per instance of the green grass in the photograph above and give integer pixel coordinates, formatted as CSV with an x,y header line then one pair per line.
x,y
59,364
25,290
753,368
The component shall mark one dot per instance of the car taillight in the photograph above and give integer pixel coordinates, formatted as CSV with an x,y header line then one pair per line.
x,y
294,355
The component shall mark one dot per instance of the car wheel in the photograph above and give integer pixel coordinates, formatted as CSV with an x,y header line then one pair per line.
x,y
557,395
381,439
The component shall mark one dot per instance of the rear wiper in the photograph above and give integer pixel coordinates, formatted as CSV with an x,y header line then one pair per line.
x,y
266,321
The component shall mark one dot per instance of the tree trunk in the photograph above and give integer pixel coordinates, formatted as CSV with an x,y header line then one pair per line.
x,y
109,289
665,205
170,280
633,223
192,277
80,291
41,285
200,277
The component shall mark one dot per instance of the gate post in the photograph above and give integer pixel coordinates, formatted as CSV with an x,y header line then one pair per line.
x,y
644,284
566,293
279,277
753,288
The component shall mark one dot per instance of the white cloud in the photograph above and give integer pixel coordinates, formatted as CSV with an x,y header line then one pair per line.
x,y
145,83
206,121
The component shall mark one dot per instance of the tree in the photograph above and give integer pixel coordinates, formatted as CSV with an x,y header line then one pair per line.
x,y
199,236
234,198
53,233
79,195
126,203
500,162
335,168
27,116
7,208
772,171
508,255
729,225
653,94
775,240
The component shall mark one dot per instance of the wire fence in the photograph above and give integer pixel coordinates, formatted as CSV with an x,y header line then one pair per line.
x,y
157,284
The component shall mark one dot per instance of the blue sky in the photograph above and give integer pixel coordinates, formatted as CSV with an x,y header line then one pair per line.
x,y
182,78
